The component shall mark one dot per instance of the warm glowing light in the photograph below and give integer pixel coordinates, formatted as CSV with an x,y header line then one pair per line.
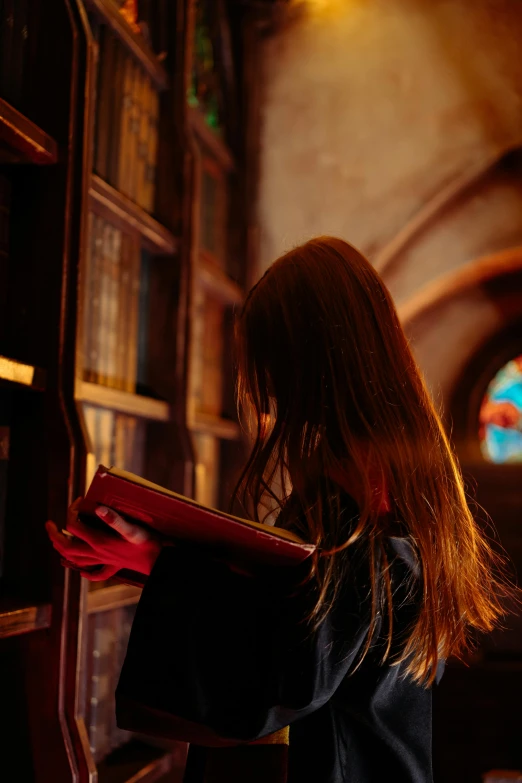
x,y
325,7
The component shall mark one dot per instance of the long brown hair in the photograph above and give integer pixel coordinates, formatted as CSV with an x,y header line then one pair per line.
x,y
325,367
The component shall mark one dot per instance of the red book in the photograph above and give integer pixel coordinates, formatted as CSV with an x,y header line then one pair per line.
x,y
181,518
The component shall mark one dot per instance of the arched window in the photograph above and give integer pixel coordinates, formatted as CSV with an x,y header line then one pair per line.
x,y
500,418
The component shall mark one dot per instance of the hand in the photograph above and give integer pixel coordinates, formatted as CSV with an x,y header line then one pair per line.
x,y
124,545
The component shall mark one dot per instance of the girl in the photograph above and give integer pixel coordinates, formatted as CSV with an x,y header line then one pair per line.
x,y
345,649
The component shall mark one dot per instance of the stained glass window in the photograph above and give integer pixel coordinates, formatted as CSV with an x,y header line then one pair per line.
x,y
203,92
501,415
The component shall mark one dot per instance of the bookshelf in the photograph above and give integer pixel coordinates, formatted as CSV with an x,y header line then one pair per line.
x,y
123,258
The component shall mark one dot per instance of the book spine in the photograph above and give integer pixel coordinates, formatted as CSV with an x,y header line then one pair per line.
x,y
5,208
130,443
152,148
106,431
125,120
94,306
114,299
5,436
87,287
133,131
117,93
132,341
89,414
123,299
207,469
105,305
105,78
100,701
119,440
142,148
212,381
196,364
143,324
125,620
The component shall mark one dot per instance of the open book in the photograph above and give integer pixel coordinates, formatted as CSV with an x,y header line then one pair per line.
x,y
181,518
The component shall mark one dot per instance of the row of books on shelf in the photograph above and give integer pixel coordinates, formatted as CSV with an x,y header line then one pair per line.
x,y
117,439
112,286
15,27
108,636
127,114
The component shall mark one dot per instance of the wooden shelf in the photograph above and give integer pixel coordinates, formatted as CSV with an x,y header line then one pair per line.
x,y
122,401
123,210
113,597
22,374
213,425
135,763
134,41
214,144
21,141
216,282
16,619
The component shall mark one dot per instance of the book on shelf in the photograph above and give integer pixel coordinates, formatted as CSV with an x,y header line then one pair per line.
x,y
212,360
101,645
181,518
116,438
126,122
207,452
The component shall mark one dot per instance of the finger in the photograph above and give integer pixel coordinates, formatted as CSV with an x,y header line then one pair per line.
x,y
92,537
72,512
106,572
132,533
67,545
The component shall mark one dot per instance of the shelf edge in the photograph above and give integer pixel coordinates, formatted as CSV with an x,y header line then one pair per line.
x,y
23,374
14,622
121,401
159,238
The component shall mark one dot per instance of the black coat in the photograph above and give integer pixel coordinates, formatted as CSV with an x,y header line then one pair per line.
x,y
217,654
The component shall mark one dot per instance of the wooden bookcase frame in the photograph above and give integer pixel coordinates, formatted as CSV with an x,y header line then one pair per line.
x,y
44,626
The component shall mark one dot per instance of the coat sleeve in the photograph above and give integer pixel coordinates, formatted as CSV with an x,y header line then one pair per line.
x,y
214,648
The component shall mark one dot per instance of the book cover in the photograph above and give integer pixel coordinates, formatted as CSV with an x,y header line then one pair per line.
x,y
181,518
